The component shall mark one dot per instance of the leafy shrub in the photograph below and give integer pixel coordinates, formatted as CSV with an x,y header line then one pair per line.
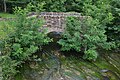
x,y
27,38
84,35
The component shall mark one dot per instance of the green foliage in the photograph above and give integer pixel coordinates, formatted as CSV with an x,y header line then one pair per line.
x,y
84,35
99,9
8,67
27,38
90,54
72,35
107,12
113,28
55,5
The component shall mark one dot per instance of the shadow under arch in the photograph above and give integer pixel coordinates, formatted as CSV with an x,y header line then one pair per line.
x,y
55,35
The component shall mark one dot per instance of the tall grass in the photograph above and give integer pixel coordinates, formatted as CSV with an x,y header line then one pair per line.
x,y
7,15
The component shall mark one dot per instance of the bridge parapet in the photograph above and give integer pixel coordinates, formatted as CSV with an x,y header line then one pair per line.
x,y
60,14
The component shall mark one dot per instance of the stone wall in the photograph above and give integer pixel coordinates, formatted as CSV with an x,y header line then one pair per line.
x,y
55,21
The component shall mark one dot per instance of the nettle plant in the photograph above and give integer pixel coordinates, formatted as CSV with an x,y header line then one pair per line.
x,y
28,38
84,35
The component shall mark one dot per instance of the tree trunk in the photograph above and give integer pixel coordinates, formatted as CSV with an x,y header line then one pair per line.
x,y
5,8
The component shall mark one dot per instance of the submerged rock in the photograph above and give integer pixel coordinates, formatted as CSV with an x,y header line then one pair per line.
x,y
104,70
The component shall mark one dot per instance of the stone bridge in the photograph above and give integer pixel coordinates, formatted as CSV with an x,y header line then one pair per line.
x,y
55,21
